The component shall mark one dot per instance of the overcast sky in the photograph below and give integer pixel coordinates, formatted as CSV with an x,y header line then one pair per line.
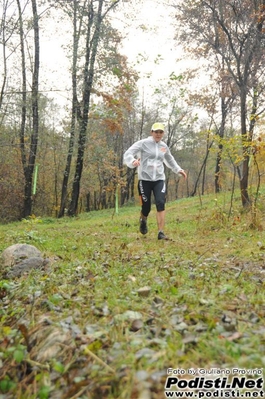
x,y
149,46
151,41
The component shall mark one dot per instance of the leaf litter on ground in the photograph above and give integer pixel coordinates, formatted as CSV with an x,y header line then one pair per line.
x,y
116,309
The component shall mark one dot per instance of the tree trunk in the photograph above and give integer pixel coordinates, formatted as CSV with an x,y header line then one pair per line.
x,y
91,51
220,147
202,170
29,169
88,74
88,209
24,92
4,60
245,148
75,111
247,138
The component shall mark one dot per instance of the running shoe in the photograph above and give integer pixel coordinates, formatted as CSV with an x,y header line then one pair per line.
x,y
143,226
161,236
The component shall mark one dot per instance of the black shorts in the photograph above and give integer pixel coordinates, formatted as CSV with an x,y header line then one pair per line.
x,y
146,188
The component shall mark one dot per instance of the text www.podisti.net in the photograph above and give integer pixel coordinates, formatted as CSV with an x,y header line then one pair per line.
x,y
221,384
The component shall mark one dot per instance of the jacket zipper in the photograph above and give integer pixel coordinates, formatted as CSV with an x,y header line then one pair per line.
x,y
156,158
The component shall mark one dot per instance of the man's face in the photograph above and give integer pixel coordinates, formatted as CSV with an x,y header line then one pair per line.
x,y
157,135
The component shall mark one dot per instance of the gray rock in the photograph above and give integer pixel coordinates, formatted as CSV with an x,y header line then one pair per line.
x,y
19,259
25,266
18,252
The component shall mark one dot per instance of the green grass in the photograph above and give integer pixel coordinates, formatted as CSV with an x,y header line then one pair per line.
x,y
205,308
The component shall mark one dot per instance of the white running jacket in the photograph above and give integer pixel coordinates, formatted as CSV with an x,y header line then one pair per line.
x,y
152,156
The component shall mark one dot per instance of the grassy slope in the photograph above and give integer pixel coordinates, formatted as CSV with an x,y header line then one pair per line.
x,y
205,307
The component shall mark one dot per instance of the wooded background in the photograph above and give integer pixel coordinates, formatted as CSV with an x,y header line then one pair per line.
x,y
58,160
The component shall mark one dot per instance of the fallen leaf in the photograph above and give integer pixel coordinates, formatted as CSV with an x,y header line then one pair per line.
x,y
144,291
235,336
